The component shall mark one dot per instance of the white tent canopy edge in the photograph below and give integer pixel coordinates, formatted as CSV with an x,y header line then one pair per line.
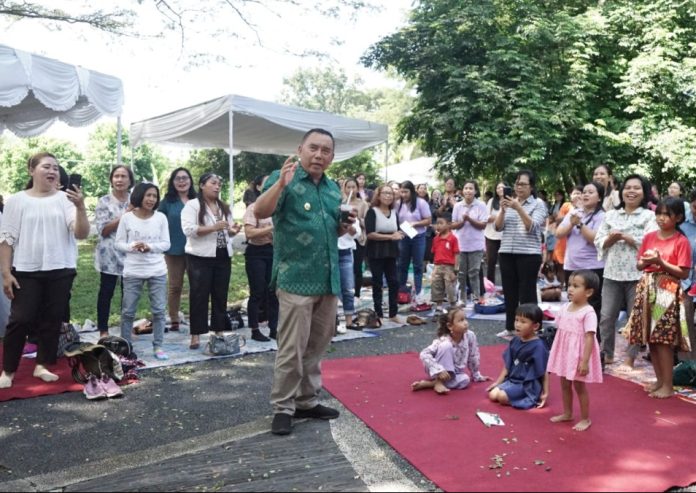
x,y
245,124
35,91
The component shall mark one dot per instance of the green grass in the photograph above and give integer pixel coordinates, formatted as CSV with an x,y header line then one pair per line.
x,y
83,303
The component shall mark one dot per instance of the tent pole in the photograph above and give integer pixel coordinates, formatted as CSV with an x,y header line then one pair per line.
x,y
119,132
231,141
386,159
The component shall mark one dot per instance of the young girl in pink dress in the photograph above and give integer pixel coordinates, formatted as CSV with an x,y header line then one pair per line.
x,y
575,351
658,318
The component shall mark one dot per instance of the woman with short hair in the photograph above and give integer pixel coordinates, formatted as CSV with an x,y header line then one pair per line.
x,y
108,260
38,259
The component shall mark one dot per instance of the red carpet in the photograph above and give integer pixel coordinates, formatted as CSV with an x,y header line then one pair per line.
x,y
635,443
25,385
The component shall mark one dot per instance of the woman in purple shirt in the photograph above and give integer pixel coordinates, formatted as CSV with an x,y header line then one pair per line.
x,y
580,226
415,211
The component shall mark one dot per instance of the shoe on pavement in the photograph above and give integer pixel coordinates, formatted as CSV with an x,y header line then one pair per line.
x,y
282,424
110,387
317,412
505,333
93,389
341,329
258,336
161,355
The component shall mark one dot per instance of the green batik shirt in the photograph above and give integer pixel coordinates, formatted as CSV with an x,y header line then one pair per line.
x,y
305,236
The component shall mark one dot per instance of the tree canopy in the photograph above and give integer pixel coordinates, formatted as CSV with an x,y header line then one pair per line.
x,y
555,86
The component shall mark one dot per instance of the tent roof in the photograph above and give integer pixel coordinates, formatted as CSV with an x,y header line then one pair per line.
x,y
258,126
35,91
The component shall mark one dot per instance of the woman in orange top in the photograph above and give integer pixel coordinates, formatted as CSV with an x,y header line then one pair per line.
x,y
559,250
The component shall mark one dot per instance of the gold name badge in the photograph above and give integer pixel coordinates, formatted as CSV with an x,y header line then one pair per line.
x,y
307,206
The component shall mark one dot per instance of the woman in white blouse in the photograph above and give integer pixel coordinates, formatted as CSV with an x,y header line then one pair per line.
x,y
208,226
38,257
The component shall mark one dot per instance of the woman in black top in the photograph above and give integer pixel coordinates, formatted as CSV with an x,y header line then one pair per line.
x,y
383,236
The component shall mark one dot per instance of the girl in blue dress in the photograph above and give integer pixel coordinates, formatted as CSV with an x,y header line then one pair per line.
x,y
523,383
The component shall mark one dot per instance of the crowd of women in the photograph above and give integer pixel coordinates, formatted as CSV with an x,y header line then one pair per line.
x,y
146,239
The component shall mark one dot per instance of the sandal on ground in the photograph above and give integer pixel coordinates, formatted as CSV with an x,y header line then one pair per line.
x,y
174,327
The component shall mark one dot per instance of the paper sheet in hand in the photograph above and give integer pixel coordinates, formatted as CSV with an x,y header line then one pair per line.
x,y
408,229
490,419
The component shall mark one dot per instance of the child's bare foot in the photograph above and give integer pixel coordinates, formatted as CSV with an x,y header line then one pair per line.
x,y
421,384
582,425
662,393
561,418
629,363
397,320
440,388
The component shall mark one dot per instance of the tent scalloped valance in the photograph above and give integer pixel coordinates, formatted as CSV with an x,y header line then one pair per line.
x,y
35,91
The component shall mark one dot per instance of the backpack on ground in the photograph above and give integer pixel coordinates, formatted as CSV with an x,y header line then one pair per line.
x,y
68,335
93,359
684,374
366,319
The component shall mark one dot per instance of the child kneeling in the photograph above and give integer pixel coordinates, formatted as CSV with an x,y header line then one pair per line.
x,y
523,383
447,358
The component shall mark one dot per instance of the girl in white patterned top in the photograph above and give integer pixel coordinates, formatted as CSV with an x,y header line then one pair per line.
x,y
448,357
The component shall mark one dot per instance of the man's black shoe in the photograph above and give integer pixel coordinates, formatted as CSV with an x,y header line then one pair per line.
x,y
317,412
282,424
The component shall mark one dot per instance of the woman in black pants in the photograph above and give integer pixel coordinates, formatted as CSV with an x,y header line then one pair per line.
x,y
521,220
208,226
258,262
383,237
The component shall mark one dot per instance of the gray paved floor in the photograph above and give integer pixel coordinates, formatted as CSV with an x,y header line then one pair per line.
x,y
204,427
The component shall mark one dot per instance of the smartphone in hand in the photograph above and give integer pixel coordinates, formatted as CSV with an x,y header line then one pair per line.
x,y
74,180
507,192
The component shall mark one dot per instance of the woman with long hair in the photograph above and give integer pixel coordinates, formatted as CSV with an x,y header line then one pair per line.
x,y
383,237
416,212
603,175
179,191
108,260
208,226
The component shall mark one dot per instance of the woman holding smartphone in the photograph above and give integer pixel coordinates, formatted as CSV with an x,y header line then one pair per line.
x,y
521,220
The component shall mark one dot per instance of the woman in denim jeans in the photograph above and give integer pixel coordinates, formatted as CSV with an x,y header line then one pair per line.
x,y
617,242
416,212
346,245
143,234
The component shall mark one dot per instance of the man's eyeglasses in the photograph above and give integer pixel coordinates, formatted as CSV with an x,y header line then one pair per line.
x,y
521,184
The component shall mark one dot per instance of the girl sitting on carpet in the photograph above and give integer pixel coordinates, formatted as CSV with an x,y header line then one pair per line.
x,y
658,318
523,382
575,350
447,358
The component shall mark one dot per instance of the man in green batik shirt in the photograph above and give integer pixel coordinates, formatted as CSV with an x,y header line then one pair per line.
x,y
305,206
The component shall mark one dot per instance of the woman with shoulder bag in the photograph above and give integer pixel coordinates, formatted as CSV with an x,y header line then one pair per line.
x,y
208,226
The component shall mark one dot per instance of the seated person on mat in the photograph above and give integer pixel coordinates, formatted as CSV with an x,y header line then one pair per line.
x,y
523,383
447,358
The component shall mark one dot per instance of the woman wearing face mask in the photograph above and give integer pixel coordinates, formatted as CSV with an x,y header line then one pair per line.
x,y
617,242
38,258
108,260
208,226
179,191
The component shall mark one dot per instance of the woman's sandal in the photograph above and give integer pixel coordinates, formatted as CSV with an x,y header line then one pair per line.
x,y
174,327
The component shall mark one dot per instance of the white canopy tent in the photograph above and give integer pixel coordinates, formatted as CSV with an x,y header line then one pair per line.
x,y
246,124
35,91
